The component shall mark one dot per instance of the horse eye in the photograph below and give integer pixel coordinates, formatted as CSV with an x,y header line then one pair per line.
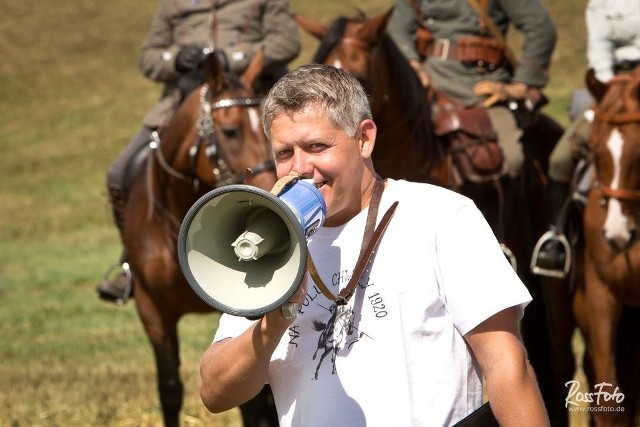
x,y
604,201
231,133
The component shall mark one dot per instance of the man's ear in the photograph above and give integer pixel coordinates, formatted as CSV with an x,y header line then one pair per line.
x,y
368,131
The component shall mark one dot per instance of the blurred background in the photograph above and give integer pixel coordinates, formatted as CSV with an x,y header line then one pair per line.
x,y
71,96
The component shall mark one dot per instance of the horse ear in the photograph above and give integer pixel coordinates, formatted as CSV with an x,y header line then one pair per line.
x,y
376,26
315,28
213,73
595,86
254,69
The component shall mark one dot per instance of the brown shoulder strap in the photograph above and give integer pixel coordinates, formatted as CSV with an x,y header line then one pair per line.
x,y
486,19
369,243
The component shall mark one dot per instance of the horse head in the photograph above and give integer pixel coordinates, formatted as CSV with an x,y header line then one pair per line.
x,y
615,144
215,135
347,42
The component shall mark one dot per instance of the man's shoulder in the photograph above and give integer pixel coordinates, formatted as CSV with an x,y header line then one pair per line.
x,y
419,193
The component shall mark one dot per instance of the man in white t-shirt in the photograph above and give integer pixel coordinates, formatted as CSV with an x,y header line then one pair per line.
x,y
435,311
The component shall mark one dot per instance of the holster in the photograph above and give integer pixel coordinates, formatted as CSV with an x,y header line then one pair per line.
x,y
473,143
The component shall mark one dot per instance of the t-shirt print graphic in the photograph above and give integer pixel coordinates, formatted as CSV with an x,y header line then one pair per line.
x,y
337,333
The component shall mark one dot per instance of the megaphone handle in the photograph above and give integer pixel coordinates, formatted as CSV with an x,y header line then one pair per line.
x,y
345,294
283,182
248,176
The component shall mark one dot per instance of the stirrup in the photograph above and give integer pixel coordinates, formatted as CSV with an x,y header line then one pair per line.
x,y
122,268
548,272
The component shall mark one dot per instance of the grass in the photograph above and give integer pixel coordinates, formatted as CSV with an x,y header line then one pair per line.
x,y
70,98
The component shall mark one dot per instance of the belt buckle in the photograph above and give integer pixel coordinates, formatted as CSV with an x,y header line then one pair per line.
x,y
441,48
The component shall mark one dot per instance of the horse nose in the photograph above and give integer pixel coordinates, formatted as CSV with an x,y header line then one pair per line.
x,y
617,228
619,242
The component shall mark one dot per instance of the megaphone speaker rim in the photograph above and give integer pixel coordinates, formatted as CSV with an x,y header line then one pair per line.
x,y
186,268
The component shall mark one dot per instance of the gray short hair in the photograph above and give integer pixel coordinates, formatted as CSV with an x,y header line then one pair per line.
x,y
336,91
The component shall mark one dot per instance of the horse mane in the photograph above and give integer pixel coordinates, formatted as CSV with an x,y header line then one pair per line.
x,y
413,98
622,95
614,99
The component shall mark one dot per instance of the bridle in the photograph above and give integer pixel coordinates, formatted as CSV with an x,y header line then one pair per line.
x,y
208,139
617,119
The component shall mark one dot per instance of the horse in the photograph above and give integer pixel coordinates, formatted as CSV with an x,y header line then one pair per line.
x,y
607,297
408,147
213,137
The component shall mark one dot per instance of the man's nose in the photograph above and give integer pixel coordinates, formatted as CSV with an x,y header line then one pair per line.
x,y
302,164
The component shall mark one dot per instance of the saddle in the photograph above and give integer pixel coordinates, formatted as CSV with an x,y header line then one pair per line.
x,y
472,141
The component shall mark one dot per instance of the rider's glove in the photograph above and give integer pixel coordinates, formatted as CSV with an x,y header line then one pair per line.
x,y
188,59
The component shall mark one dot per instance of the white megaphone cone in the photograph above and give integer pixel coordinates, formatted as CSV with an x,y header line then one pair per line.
x,y
243,250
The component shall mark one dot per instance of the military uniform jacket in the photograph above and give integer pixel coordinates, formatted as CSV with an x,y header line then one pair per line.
x,y
238,27
613,27
451,19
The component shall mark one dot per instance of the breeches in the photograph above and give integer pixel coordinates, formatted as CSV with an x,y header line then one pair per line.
x,y
509,134
572,144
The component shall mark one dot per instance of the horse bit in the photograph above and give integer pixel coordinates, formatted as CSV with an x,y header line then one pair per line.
x,y
207,134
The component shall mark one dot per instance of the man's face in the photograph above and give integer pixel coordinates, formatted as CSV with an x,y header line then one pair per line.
x,y
308,144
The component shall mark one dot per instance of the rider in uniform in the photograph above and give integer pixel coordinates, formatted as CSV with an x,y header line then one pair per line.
x,y
613,28
180,34
465,57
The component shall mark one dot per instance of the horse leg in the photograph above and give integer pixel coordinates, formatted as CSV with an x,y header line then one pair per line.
x,y
260,411
162,332
603,311
628,363
557,305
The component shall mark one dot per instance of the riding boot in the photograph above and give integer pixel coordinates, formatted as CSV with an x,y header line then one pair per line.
x,y
117,284
550,253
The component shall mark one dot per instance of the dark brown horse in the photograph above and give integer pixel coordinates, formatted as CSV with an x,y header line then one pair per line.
x,y
407,147
213,137
606,302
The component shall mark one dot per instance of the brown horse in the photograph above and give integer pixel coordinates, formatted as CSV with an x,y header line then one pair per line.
x,y
213,137
612,252
407,147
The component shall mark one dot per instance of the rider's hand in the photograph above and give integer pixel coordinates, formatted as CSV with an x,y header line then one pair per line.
x,y
422,74
188,58
277,318
498,92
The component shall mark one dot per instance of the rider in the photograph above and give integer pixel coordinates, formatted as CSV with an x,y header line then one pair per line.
x,y
467,60
613,28
180,33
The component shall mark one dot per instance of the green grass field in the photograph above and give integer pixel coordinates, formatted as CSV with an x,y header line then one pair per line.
x,y
70,98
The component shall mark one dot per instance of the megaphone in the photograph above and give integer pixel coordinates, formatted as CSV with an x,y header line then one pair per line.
x,y
243,250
